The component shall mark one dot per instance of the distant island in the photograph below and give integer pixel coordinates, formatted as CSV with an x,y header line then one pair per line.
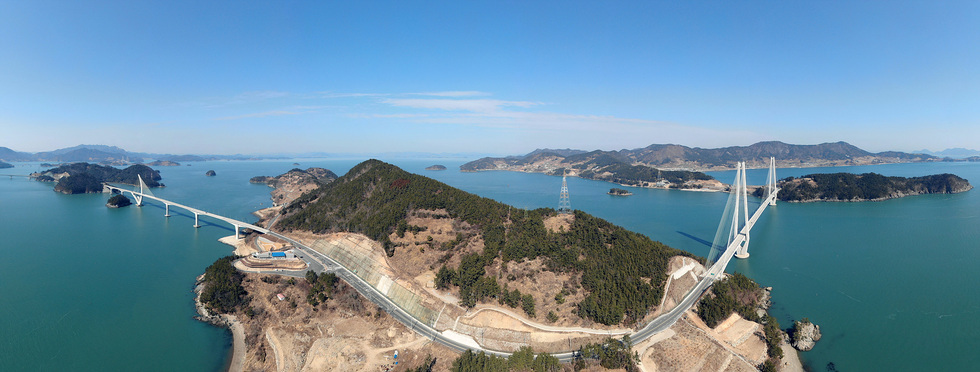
x,y
164,163
290,185
78,178
5,165
118,201
597,165
849,187
619,192
678,157
210,173
437,167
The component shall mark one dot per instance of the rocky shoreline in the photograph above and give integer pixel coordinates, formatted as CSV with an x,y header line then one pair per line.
x,y
223,321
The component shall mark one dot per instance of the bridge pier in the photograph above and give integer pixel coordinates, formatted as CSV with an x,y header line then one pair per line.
x,y
196,223
167,213
236,231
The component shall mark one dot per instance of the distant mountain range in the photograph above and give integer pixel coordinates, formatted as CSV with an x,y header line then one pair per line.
x,y
957,153
104,154
677,157
118,156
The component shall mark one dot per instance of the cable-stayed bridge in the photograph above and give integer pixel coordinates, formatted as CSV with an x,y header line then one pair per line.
x,y
145,193
731,240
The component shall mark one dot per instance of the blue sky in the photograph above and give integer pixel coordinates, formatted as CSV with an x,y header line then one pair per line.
x,y
489,77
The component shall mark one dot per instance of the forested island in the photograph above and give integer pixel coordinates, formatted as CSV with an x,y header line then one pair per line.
x,y
851,187
5,165
619,192
118,201
78,178
376,199
164,163
437,167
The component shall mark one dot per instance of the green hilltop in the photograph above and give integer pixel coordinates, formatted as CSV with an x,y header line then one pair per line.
x,y
623,272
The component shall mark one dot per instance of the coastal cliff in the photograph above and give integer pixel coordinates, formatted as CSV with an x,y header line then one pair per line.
x,y
848,187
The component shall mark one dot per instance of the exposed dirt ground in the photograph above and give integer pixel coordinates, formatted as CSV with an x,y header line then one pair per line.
x,y
267,264
347,333
689,348
346,336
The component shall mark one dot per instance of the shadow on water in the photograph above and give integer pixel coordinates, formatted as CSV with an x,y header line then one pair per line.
x,y
202,221
697,239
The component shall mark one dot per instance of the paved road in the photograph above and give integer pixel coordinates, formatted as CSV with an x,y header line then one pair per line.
x,y
321,263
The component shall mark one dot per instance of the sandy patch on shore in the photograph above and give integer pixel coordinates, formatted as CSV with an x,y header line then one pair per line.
x,y
238,344
791,358
242,248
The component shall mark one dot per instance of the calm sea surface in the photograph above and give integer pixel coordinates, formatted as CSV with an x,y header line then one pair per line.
x,y
892,284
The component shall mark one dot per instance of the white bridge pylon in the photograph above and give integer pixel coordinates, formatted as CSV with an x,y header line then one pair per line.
x,y
741,194
145,193
733,236
144,190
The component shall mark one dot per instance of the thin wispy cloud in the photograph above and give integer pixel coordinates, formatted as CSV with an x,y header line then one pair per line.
x,y
388,116
476,105
350,95
463,93
258,115
259,95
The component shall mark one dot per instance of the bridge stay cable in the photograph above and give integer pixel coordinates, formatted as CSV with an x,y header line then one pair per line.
x,y
732,236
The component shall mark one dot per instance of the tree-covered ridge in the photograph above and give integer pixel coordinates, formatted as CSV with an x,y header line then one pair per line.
x,y
599,165
5,165
223,291
867,186
622,271
85,177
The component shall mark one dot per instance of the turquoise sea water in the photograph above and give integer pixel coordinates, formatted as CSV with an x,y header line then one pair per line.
x,y
83,287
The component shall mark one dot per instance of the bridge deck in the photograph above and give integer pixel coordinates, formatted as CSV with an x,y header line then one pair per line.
x,y
719,267
196,211
659,324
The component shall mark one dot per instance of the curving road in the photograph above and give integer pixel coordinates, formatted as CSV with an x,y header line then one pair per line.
x,y
321,263
657,325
